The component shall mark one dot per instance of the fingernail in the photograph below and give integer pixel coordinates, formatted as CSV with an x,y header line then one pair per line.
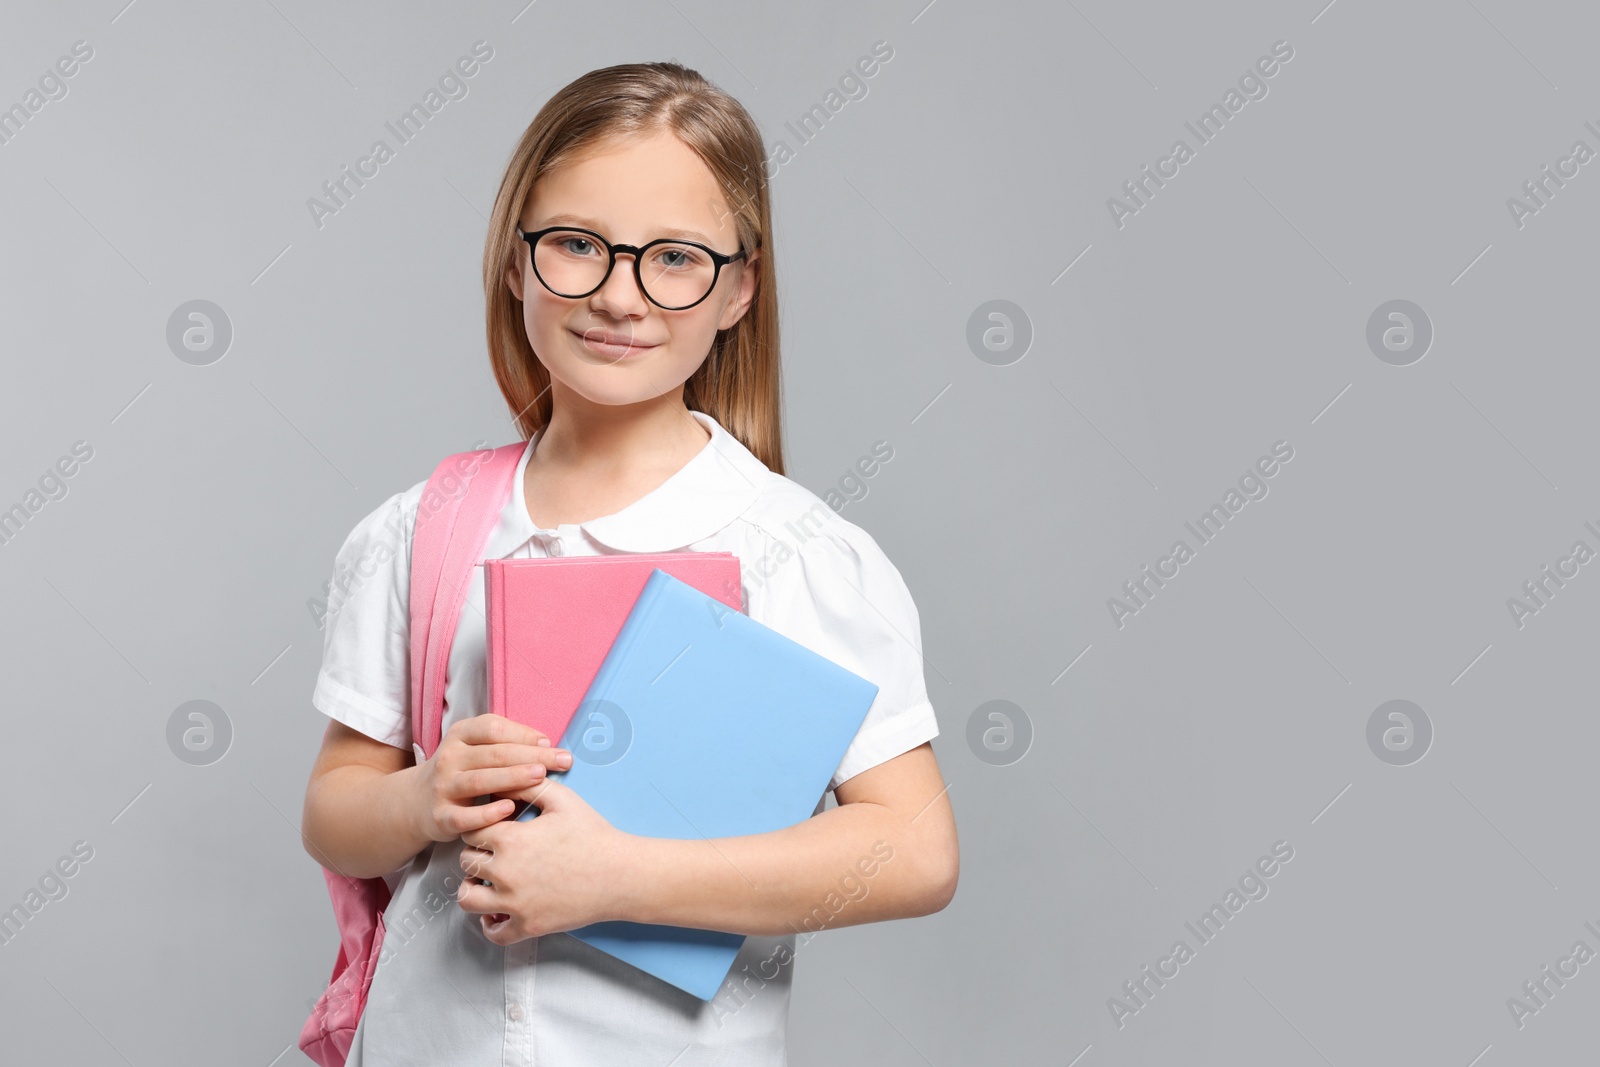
x,y
545,741
564,760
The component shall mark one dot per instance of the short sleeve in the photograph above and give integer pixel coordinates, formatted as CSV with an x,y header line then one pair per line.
x,y
842,598
364,681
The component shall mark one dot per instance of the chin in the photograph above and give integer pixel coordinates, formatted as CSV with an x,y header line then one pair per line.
x,y
615,386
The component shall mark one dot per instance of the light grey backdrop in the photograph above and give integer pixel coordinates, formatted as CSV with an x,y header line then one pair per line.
x,y
1147,357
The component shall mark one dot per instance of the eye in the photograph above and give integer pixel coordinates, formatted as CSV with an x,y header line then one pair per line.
x,y
679,257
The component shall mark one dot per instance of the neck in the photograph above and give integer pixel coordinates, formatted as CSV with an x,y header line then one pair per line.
x,y
601,437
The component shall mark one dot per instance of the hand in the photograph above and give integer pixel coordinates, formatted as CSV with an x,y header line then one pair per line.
x,y
483,755
565,869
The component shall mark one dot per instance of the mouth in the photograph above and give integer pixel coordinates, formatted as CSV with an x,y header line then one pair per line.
x,y
613,346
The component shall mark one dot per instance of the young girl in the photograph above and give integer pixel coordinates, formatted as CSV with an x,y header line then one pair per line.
x,y
645,378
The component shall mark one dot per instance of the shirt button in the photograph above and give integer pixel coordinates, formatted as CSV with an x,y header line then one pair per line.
x,y
554,547
515,1012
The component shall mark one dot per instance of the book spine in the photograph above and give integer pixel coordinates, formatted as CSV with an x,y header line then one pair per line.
x,y
492,606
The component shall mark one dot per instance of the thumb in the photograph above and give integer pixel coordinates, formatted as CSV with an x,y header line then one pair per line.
x,y
551,795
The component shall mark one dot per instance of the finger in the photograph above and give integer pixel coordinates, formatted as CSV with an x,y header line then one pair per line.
x,y
489,729
549,795
475,862
487,837
498,928
480,899
518,796
465,785
475,757
462,819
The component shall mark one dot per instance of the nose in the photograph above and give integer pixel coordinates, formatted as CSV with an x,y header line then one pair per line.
x,y
621,293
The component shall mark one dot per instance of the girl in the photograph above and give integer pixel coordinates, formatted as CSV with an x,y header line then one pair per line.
x,y
632,326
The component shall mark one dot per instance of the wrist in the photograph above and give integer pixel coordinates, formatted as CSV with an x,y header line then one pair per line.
x,y
638,877
417,804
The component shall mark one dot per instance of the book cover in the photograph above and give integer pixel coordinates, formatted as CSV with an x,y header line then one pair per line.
x,y
703,723
550,623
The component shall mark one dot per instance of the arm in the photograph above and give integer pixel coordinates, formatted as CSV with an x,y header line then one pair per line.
x,y
357,817
887,851
370,807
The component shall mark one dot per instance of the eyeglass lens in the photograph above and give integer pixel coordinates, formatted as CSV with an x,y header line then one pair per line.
x,y
572,263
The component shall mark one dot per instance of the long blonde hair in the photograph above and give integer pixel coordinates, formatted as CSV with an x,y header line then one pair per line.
x,y
738,384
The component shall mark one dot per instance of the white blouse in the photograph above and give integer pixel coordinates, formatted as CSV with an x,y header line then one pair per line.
x,y
444,993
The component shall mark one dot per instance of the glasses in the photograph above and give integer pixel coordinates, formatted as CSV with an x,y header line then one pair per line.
x,y
675,276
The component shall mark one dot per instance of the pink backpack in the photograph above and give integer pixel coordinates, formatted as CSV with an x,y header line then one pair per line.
x,y
459,508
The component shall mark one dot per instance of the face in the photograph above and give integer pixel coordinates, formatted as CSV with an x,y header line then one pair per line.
x,y
614,347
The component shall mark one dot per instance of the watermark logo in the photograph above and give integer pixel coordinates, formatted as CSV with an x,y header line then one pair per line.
x,y
1252,86
601,733
1141,590
1399,732
999,332
52,486
1542,588
52,887
743,986
1252,886
199,332
815,120
199,732
1541,990
1399,332
52,86
999,732
852,485
338,191
349,575
1542,189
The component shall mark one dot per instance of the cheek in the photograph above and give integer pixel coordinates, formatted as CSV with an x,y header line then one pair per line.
x,y
692,340
683,360
545,321
541,317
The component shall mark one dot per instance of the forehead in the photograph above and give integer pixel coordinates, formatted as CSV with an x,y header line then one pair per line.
x,y
634,191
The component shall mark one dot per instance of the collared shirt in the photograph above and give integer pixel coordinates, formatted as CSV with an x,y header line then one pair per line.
x,y
444,993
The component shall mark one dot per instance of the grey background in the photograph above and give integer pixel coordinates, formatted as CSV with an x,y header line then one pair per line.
x,y
1228,314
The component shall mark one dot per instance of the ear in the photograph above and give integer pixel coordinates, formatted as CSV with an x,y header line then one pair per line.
x,y
513,274
749,273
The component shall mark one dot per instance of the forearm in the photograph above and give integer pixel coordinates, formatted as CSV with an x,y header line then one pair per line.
x,y
359,821
856,863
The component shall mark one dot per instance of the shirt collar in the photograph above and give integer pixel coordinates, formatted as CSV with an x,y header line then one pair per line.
x,y
701,498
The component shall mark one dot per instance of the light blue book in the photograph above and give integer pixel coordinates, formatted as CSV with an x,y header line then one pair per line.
x,y
703,723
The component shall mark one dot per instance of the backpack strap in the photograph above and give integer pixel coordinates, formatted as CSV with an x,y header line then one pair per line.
x,y
458,510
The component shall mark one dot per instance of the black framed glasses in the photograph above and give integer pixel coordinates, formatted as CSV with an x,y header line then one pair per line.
x,y
673,274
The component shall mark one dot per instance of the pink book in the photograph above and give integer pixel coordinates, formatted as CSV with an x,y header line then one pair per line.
x,y
552,621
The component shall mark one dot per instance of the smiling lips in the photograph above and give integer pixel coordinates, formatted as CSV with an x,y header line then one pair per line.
x,y
611,344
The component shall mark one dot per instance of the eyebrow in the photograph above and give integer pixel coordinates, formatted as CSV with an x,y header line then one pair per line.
x,y
594,224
